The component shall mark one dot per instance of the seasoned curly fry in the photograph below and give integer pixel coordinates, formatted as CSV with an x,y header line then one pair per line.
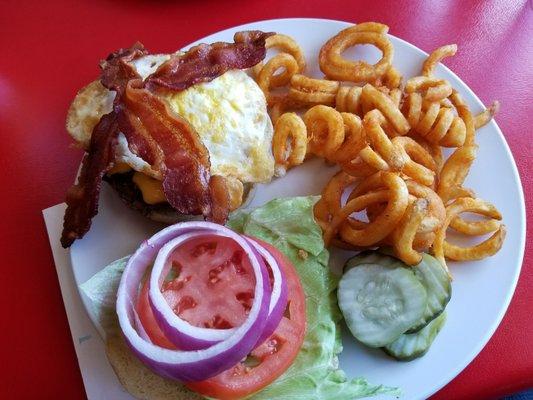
x,y
335,66
487,248
311,91
436,152
466,116
335,188
483,118
396,97
384,224
267,78
395,153
277,110
281,106
483,250
404,235
348,99
435,89
423,241
436,210
373,159
360,168
412,108
370,183
330,201
449,131
388,142
289,127
416,152
325,131
380,142
455,170
434,122
357,204
436,56
476,228
459,191
354,139
392,78
321,213
416,170
387,107
287,45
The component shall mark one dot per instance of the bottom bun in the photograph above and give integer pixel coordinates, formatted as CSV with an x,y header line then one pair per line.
x,y
138,380
162,212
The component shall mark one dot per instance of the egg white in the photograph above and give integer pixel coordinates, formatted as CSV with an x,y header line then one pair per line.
x,y
230,115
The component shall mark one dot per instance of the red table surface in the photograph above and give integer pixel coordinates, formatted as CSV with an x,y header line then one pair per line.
x,y
51,48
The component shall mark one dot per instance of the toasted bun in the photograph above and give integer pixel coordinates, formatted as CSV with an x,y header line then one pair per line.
x,y
138,380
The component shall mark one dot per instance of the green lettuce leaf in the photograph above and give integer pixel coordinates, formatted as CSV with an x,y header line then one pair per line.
x,y
101,291
289,225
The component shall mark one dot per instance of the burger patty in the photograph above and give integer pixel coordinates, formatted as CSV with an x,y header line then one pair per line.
x,y
132,197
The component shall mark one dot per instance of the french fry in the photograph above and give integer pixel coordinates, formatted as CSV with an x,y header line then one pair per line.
x,y
289,127
388,142
404,234
335,66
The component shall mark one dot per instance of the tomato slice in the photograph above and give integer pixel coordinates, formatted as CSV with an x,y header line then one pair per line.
x,y
194,266
270,359
210,284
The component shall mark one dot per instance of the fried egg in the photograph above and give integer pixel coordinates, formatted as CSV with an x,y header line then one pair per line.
x,y
229,113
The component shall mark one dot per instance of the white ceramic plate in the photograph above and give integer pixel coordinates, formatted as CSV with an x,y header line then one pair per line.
x,y
481,290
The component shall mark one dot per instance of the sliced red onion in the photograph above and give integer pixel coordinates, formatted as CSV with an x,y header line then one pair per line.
x,y
278,299
189,337
198,364
139,326
180,332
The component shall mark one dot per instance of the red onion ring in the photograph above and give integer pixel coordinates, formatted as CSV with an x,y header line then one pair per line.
x,y
278,299
198,364
189,337
180,332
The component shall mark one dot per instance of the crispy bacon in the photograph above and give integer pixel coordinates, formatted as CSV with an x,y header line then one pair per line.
x,y
183,158
157,134
205,62
117,70
82,198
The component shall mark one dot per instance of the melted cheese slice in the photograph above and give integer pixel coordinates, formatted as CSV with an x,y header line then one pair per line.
x,y
151,189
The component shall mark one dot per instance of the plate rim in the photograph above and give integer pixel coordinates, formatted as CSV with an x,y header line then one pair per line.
x,y
447,378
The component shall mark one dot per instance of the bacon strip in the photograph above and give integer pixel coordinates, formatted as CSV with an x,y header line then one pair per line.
x,y
183,158
205,62
157,134
117,70
82,198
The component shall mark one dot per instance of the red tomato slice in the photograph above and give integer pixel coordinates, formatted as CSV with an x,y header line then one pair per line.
x,y
210,284
267,361
270,359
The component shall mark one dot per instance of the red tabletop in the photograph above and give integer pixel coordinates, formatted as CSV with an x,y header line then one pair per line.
x,y
51,48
